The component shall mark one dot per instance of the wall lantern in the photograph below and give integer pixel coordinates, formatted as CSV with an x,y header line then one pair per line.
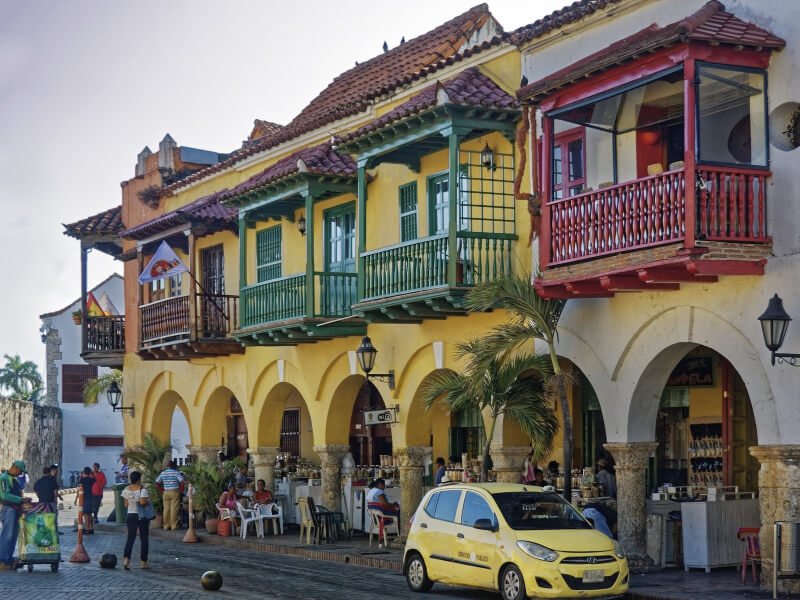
x,y
774,323
114,395
487,158
45,330
366,358
301,225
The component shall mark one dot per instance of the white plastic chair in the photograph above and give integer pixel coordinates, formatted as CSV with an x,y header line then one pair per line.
x,y
382,525
250,515
306,521
267,514
225,514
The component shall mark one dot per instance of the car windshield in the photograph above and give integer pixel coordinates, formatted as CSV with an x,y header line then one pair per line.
x,y
542,510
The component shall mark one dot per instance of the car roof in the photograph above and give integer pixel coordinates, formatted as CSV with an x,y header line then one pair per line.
x,y
492,488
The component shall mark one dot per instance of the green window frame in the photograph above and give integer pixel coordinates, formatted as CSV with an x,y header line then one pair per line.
x,y
408,211
439,201
268,253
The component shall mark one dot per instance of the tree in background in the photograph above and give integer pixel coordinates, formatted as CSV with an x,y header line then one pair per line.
x,y
531,318
512,386
21,378
97,386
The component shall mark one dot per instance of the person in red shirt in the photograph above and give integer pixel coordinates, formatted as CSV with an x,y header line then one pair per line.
x,y
97,490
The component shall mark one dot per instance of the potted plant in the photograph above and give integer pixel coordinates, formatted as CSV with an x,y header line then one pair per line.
x,y
150,458
209,480
77,317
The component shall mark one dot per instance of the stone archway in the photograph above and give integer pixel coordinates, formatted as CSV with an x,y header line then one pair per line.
x,y
222,422
163,415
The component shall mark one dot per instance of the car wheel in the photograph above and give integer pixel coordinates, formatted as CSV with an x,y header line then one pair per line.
x,y
512,585
417,575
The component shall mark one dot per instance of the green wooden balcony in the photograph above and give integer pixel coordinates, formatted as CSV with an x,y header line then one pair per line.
x,y
285,311
417,279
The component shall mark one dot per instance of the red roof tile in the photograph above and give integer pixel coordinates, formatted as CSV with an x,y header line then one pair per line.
x,y
354,90
106,223
564,16
468,88
207,209
319,160
711,24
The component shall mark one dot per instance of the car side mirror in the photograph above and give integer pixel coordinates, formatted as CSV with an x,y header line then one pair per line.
x,y
485,525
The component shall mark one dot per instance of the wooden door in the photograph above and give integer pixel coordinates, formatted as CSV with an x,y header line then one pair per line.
x,y
213,319
339,293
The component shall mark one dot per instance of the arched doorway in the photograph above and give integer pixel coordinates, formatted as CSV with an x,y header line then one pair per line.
x,y
369,442
224,424
179,436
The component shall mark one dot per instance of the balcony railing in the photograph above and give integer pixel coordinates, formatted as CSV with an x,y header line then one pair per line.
x,y
168,320
105,334
423,264
730,206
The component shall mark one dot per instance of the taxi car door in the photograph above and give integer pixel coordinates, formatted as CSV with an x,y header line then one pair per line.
x,y
438,540
476,549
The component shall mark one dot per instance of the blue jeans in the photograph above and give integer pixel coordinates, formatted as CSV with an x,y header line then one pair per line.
x,y
9,520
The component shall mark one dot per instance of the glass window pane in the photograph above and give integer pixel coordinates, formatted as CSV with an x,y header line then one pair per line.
x,y
430,507
575,152
732,121
475,508
447,505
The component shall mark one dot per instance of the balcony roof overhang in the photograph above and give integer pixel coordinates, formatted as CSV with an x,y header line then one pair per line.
x,y
100,231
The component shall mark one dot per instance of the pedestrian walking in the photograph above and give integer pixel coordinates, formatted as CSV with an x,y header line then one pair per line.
x,y
86,482
170,481
122,474
98,487
13,503
46,488
136,501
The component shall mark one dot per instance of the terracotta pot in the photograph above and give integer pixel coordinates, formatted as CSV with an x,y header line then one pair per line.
x,y
211,525
224,528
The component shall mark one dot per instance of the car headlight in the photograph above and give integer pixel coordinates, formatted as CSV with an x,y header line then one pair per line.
x,y
538,552
619,550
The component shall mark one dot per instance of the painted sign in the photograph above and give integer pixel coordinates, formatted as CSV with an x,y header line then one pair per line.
x,y
380,417
693,371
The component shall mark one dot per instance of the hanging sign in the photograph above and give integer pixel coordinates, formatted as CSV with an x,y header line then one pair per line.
x,y
380,417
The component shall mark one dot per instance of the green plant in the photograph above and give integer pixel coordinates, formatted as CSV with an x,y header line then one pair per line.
x,y
149,458
209,480
512,386
97,386
21,378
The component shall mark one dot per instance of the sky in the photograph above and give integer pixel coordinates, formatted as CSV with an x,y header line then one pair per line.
x,y
85,85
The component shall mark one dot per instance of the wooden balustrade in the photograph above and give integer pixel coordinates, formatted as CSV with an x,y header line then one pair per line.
x,y
105,334
730,206
274,300
165,321
337,293
217,315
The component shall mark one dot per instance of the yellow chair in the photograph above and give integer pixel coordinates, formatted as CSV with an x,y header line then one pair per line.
x,y
307,523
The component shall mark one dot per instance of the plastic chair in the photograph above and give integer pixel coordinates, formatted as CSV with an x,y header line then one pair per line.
x,y
752,550
384,524
322,521
225,514
249,515
268,514
307,522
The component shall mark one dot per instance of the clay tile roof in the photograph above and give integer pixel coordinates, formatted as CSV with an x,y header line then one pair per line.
x,y
354,90
262,129
106,223
564,16
710,24
207,209
319,160
468,88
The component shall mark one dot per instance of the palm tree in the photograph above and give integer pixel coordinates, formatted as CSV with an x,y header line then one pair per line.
x,y
97,386
514,387
531,318
22,378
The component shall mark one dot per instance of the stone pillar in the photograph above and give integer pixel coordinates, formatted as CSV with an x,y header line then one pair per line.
x,y
331,465
632,459
508,462
779,500
204,453
410,461
264,463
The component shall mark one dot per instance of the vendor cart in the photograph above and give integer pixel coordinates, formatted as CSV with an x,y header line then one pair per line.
x,y
38,542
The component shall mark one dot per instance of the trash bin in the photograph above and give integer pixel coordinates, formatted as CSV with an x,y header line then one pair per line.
x,y
119,505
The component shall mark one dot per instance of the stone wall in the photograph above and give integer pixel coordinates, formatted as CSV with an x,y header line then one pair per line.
x,y
31,432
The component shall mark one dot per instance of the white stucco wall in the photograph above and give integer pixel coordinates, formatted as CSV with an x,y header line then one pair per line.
x,y
627,345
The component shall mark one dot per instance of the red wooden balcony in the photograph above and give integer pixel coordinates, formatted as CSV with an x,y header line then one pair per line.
x,y
655,232
186,326
104,344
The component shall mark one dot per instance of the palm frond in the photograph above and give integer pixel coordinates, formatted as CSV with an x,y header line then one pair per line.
x,y
97,386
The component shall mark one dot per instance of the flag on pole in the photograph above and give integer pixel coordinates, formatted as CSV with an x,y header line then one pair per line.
x,y
93,308
107,305
164,263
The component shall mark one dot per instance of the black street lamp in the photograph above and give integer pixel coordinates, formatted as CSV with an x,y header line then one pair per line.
x,y
366,358
114,395
487,158
774,323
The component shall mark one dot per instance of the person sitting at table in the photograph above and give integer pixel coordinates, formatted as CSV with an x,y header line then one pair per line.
x,y
262,495
376,499
228,498
241,479
538,478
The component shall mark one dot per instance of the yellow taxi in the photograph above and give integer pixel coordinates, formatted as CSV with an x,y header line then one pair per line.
x,y
520,540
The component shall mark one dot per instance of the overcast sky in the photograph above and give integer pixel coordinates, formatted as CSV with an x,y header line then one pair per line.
x,y
86,84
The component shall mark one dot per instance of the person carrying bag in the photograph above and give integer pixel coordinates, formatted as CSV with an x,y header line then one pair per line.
x,y
140,512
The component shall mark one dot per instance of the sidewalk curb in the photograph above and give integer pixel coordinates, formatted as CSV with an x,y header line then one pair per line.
x,y
359,560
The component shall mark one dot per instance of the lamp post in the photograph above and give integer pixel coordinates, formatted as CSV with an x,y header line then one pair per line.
x,y
774,323
114,395
366,359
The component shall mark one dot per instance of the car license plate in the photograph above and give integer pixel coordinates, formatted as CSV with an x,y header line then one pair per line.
x,y
593,576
